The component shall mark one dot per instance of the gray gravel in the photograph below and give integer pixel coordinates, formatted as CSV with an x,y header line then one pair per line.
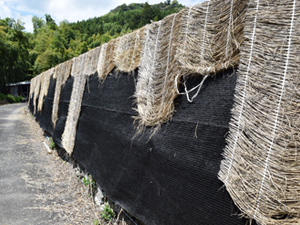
x,y
19,159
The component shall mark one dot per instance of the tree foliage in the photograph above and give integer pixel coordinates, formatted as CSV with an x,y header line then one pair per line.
x,y
14,50
24,55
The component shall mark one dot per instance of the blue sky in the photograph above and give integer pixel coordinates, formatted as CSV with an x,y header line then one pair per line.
x,y
71,10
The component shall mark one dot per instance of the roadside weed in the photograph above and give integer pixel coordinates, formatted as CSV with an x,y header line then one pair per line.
x,y
107,214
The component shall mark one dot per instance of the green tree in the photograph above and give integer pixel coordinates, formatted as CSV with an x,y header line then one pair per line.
x,y
37,23
147,14
14,44
50,22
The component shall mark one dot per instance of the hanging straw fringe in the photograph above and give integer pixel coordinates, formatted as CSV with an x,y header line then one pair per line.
x,y
95,60
32,89
217,26
101,63
106,62
128,51
82,63
44,87
38,83
228,38
61,74
261,166
155,91
197,29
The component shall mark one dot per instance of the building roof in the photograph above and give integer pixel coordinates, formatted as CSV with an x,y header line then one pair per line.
x,y
19,83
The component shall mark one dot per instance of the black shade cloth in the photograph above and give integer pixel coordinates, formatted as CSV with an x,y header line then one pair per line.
x,y
169,179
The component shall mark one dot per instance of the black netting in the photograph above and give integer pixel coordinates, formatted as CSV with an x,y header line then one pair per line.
x,y
62,114
172,178
169,179
44,116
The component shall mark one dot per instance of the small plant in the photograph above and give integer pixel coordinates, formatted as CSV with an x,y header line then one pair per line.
x,y
52,144
19,98
89,181
86,181
96,222
93,182
10,98
107,214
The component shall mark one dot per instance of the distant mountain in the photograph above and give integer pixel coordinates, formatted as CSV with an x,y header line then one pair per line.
x,y
164,6
125,18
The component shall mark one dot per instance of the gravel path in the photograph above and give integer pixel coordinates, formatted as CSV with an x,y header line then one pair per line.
x,y
35,187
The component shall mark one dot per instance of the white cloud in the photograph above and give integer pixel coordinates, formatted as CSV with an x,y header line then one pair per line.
x,y
28,23
71,10
5,11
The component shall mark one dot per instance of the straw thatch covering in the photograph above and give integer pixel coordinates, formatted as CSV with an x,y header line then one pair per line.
x,y
229,32
69,134
155,92
128,51
195,52
106,59
44,87
91,61
61,74
94,63
212,34
207,40
261,166
101,62
32,89
37,88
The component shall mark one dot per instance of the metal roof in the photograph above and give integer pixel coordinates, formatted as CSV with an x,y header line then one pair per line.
x,y
19,83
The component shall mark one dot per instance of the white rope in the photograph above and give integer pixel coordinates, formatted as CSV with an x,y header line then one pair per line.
x,y
168,59
153,64
199,86
244,92
187,28
184,46
278,108
204,30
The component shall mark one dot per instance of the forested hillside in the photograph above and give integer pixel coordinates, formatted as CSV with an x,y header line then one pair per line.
x,y
24,55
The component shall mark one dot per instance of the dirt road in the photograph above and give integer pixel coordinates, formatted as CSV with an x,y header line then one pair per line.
x,y
35,187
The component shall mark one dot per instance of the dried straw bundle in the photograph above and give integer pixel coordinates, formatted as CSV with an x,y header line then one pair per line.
x,y
128,51
90,64
155,92
212,34
195,53
101,62
261,169
94,63
36,91
107,59
87,62
45,76
230,32
32,88
61,74
69,134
